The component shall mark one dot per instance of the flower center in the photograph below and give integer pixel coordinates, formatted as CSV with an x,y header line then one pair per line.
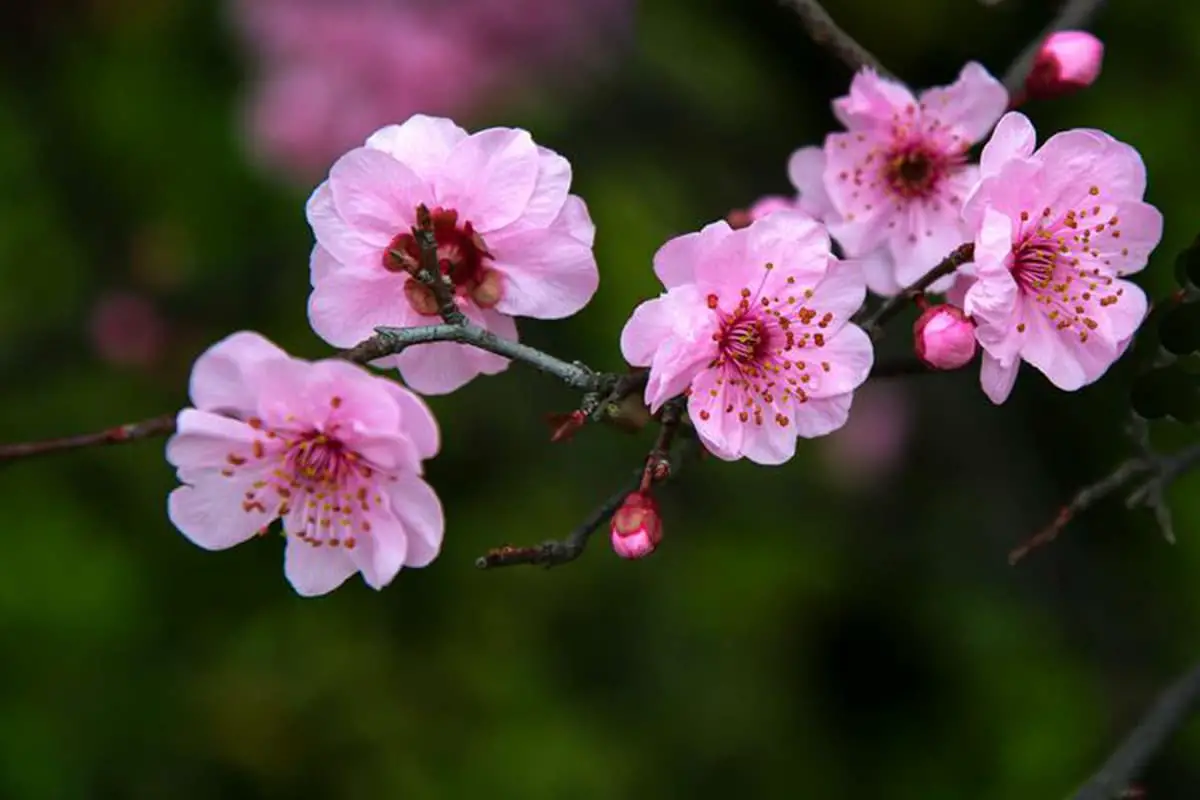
x,y
743,339
913,172
462,256
325,491
1050,263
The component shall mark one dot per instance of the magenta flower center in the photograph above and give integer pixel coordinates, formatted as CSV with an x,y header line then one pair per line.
x,y
325,487
462,257
1052,260
767,352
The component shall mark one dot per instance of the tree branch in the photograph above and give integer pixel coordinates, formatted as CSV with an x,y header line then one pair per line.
x,y
1073,15
963,254
825,32
1165,717
131,432
1162,471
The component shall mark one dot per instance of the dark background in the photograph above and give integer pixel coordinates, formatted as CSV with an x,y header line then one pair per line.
x,y
843,626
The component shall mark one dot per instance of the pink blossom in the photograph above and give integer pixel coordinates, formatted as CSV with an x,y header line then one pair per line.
x,y
891,187
328,73
636,526
1067,61
754,328
510,237
1054,232
944,338
330,449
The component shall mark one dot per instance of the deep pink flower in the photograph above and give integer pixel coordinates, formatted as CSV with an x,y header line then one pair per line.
x,y
511,238
754,328
1067,61
636,527
891,187
330,449
944,338
1054,230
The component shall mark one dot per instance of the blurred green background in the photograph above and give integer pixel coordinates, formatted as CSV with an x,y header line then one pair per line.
x,y
830,628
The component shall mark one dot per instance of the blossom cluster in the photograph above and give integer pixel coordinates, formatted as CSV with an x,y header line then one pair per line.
x,y
756,332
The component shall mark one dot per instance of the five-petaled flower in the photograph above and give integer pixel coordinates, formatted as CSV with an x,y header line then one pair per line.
x,y
510,238
754,328
1054,232
891,187
326,447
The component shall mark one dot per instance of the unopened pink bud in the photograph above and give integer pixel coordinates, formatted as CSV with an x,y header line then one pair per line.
x,y
1068,61
944,337
636,527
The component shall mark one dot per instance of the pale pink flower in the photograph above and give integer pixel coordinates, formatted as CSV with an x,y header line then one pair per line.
x,y
1054,230
754,328
510,237
330,449
636,528
944,338
1067,62
891,187
328,73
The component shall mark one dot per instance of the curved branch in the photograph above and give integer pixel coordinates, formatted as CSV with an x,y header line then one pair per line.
x,y
824,31
963,254
131,432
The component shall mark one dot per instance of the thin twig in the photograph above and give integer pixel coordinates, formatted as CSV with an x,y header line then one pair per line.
x,y
561,551
131,432
1160,471
825,32
963,254
1073,15
1165,717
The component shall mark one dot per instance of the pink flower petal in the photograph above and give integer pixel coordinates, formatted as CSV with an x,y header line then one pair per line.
x,y
322,264
422,143
1141,228
675,261
872,101
997,377
345,244
376,195
203,441
223,376
416,419
841,292
935,234
850,356
313,570
1013,137
381,555
210,513
674,367
549,193
346,307
821,416
547,275
806,169
879,271
339,393
722,433
490,177
575,221
1076,160
970,105
420,512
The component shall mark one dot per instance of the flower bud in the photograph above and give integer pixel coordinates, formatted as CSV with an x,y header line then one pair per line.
x,y
636,526
1067,61
944,337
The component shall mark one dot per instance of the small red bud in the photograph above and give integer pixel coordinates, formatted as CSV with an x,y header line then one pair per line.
x,y
1067,62
944,337
636,526
565,425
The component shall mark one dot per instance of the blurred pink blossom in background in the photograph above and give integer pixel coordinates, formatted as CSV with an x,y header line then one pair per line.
x,y
328,72
127,330
872,445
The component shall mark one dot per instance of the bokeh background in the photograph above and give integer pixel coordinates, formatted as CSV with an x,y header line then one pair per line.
x,y
845,626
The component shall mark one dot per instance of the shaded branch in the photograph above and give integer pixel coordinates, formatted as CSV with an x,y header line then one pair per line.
x,y
1073,15
1165,717
131,432
963,254
1162,471
825,32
